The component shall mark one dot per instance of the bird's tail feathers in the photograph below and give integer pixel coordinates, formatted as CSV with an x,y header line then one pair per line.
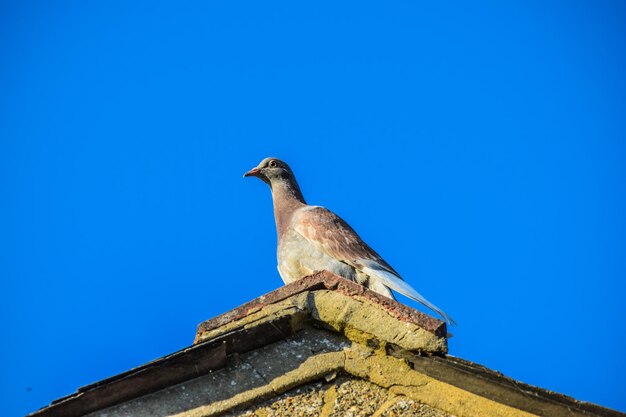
x,y
396,283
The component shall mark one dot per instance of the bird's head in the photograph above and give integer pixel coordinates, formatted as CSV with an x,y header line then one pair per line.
x,y
271,169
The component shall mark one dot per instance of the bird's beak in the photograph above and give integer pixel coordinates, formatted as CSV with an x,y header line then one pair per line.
x,y
254,172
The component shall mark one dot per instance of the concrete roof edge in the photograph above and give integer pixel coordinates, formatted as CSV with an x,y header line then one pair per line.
x,y
325,280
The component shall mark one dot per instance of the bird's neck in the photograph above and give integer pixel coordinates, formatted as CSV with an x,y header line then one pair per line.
x,y
287,199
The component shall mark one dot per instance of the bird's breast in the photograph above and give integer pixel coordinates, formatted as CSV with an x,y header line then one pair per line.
x,y
298,257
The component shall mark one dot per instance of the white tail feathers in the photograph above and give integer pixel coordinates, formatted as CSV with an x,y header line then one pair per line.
x,y
391,280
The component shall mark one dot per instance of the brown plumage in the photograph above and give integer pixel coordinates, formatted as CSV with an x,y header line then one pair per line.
x,y
330,233
312,238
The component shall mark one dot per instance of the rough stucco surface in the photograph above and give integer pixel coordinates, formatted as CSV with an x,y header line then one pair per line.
x,y
245,377
318,372
372,377
344,397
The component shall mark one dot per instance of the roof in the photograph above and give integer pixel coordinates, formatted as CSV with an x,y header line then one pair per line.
x,y
314,297
369,337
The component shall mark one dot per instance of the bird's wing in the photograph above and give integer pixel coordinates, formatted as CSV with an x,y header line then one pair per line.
x,y
333,236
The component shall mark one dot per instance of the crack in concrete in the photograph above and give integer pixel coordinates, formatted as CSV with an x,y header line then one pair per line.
x,y
422,385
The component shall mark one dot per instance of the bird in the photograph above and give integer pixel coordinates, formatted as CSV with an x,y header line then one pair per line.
x,y
313,238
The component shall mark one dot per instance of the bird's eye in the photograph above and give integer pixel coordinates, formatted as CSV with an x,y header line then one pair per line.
x,y
273,164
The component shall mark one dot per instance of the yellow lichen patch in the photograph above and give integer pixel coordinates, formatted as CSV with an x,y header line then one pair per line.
x,y
365,339
342,312
396,375
382,370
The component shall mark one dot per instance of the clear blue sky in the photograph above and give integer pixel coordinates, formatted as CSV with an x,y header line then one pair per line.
x,y
480,149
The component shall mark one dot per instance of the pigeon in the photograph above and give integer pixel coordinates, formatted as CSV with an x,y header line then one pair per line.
x,y
313,238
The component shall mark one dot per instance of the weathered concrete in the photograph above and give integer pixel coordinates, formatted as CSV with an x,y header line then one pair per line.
x,y
324,280
250,377
309,356
357,377
320,347
341,313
